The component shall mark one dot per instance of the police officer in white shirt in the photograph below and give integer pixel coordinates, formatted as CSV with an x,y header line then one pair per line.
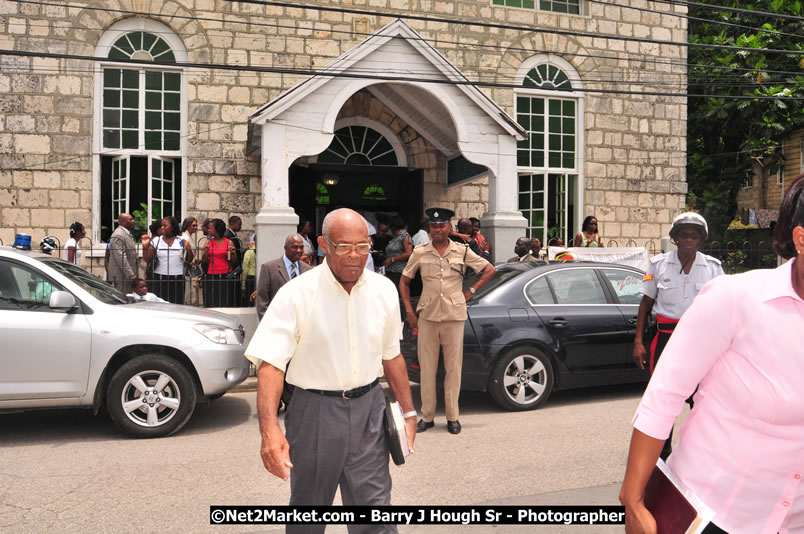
x,y
671,283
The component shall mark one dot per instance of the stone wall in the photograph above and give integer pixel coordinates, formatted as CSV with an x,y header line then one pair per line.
x,y
634,153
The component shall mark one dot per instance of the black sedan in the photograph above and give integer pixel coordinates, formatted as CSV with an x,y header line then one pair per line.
x,y
538,327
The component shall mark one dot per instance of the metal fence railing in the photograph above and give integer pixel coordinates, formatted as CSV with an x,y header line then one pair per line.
x,y
184,279
174,274
735,256
738,257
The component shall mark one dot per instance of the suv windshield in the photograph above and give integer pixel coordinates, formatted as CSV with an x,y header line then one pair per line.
x,y
88,282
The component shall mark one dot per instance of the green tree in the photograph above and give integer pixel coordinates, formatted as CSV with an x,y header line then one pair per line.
x,y
724,134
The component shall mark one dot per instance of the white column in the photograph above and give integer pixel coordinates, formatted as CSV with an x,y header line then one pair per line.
x,y
276,219
503,223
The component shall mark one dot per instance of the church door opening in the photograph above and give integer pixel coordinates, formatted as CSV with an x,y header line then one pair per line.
x,y
374,190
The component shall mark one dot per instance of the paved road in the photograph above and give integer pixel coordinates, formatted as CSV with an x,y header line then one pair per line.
x,y
70,471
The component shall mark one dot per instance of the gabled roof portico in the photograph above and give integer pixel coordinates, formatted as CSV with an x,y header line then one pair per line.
x,y
418,83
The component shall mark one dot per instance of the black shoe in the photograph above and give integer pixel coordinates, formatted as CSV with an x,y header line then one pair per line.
x,y
454,427
423,425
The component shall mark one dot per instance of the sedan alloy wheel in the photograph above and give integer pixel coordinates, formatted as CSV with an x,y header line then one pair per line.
x,y
522,379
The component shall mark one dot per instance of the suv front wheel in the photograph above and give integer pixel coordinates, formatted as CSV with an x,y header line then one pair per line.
x,y
150,396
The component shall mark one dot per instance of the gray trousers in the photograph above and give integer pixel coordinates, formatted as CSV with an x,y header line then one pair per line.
x,y
338,442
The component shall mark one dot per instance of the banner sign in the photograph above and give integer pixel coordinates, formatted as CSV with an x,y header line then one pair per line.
x,y
633,256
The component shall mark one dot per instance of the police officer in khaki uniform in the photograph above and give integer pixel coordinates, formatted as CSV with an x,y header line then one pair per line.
x,y
442,312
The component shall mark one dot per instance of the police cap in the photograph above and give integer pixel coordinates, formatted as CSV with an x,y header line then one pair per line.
x,y
439,215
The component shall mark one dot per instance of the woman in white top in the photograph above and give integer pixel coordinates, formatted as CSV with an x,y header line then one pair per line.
x,y
72,252
170,252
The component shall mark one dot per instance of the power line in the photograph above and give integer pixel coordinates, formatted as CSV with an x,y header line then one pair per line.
x,y
424,18
391,72
729,82
436,41
713,7
511,69
327,72
526,29
697,19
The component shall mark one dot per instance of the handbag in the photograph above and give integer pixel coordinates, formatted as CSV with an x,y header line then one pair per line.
x,y
234,274
192,271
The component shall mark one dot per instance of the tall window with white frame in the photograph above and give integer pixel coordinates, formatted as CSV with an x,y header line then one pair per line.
x,y
141,126
574,7
547,161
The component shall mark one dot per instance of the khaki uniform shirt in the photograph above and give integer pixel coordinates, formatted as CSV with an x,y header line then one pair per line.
x,y
442,283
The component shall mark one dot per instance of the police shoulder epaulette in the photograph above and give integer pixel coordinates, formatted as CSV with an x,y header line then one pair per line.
x,y
712,259
658,257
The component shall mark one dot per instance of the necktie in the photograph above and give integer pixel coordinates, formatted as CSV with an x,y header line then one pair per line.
x,y
292,271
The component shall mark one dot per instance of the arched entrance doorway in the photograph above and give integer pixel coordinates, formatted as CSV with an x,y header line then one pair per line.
x,y
448,130
363,168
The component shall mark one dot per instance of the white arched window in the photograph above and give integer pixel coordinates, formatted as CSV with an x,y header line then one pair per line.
x,y
363,141
140,124
549,161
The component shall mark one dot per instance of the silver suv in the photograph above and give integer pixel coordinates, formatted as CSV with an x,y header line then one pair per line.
x,y
69,339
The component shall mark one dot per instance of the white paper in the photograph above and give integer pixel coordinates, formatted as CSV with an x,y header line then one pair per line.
x,y
401,428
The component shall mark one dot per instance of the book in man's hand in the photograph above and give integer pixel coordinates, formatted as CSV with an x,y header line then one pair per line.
x,y
396,432
675,507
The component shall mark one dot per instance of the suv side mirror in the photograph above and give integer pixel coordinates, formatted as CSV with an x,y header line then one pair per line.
x,y
62,301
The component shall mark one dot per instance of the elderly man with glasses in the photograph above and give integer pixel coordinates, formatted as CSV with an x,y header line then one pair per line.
x,y
332,332
441,312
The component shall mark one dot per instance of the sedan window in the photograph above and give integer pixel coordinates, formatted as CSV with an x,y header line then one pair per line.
x,y
501,276
577,286
539,292
626,285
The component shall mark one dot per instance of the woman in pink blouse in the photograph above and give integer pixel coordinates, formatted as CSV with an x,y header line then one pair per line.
x,y
742,448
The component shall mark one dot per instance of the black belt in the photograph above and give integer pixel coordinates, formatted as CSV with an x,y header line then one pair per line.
x,y
347,394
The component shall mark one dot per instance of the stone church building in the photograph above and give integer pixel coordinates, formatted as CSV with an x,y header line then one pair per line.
x,y
529,114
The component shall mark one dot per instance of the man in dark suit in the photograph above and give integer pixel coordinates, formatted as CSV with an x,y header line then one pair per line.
x,y
522,250
123,262
276,273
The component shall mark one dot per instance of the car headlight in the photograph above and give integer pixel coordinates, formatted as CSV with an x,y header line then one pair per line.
x,y
218,334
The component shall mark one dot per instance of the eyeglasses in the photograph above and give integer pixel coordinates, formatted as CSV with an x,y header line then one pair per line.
x,y
342,249
689,235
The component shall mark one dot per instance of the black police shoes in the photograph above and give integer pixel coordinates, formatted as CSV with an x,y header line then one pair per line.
x,y
423,425
454,427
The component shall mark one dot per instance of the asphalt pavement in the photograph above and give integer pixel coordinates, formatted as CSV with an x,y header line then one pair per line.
x,y
68,470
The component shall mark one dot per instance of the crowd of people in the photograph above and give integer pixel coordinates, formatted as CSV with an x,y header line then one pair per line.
x,y
726,345
219,269
214,269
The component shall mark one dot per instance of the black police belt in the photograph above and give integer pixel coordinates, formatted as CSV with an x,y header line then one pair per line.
x,y
346,394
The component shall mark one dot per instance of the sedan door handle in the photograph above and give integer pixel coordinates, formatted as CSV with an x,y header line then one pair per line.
x,y
633,320
558,322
